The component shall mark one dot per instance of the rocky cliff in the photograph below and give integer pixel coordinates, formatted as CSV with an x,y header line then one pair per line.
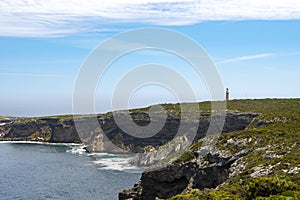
x,y
258,161
99,136
40,129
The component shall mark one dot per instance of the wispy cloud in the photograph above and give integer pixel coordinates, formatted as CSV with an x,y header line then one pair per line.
x,y
52,18
244,58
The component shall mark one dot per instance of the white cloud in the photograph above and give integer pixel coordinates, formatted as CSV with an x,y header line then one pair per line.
x,y
46,18
244,58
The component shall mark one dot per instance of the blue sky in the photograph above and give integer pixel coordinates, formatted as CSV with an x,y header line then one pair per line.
x,y
255,46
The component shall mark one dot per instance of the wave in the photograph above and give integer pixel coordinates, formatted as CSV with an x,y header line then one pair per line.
x,y
77,149
117,162
108,161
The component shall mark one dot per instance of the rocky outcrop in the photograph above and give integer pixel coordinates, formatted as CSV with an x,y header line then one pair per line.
x,y
233,122
201,172
65,132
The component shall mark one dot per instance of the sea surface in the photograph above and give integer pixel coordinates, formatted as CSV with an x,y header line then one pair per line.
x,y
43,171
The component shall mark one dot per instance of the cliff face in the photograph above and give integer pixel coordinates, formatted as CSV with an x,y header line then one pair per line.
x,y
43,129
200,172
64,130
123,140
259,160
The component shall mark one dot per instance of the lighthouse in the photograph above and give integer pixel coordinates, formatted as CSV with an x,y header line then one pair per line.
x,y
227,94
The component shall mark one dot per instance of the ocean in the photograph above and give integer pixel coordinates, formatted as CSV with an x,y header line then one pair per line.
x,y
37,171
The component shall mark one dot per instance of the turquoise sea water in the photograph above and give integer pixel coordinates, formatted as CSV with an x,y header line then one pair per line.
x,y
39,171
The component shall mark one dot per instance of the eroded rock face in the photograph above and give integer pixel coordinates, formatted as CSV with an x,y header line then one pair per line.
x,y
24,129
65,132
46,130
233,122
202,172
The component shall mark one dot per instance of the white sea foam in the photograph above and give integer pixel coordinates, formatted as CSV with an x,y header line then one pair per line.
x,y
77,149
117,162
109,161
100,155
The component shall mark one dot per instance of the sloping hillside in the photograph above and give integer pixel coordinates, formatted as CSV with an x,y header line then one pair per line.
x,y
259,162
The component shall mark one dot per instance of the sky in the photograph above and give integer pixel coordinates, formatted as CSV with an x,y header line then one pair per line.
x,y
255,46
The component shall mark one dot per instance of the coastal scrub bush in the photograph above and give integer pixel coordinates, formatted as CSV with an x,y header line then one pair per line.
x,y
266,187
208,194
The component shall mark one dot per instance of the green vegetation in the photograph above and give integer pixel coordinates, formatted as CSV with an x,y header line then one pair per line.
x,y
3,118
274,187
209,194
44,134
275,138
259,189
27,119
185,157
